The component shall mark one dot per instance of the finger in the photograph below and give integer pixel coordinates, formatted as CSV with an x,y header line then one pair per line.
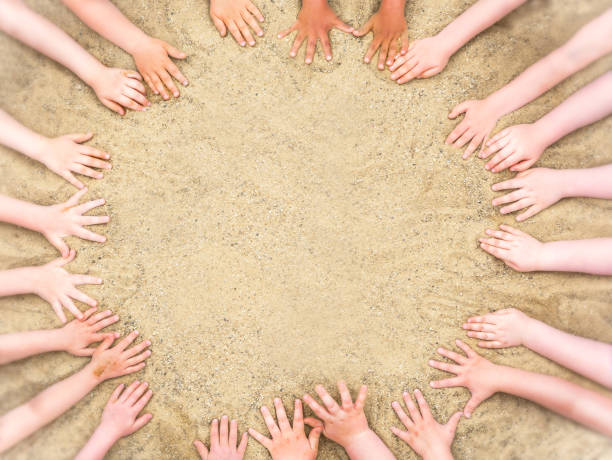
x,y
313,422
214,434
79,138
523,165
431,72
326,46
446,367
531,211
59,311
284,33
458,110
516,206
343,26
345,395
465,138
176,73
405,68
129,390
474,144
88,206
168,82
399,60
510,161
59,244
397,407
500,135
133,74
127,340
81,297
412,74
452,355
137,393
138,86
495,147
89,235
512,230
235,31
363,30
471,405
253,9
250,20
88,313
298,416
382,55
466,348
243,445
73,180
135,96
224,432
494,251
105,323
316,407
69,304
499,157
116,393
500,235
270,423
93,220
138,348
447,383
403,435
480,327
201,448
281,416
233,433
141,421
481,335
491,344
393,46
62,261
132,369
220,25
75,198
85,171
488,318
174,52
313,438
159,86
453,421
90,157
457,132
330,403
266,442
98,317
371,50
299,39
361,397
501,244
415,415
423,406
246,33
506,185
113,106
130,103
310,50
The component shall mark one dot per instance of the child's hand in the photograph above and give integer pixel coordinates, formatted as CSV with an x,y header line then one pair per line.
x,y
536,189
118,88
388,26
479,120
58,287
515,248
425,58
518,147
343,423
314,22
67,219
288,443
120,416
64,155
504,328
108,363
154,64
474,372
78,334
236,16
424,434
223,445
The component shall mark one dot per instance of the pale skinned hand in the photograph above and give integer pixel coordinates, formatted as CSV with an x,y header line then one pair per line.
x,y
58,287
501,329
424,434
78,334
288,443
152,59
478,122
388,27
534,189
120,416
65,155
237,16
67,219
342,423
515,248
223,442
425,58
109,362
517,147
471,371
314,22
119,88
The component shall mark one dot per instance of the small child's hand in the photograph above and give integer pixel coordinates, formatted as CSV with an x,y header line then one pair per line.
x,y
424,434
388,26
58,287
341,424
518,147
152,60
516,249
479,120
288,443
108,363
118,88
64,155
67,219
120,416
504,328
223,445
314,22
473,372
536,189
236,16
78,334
425,58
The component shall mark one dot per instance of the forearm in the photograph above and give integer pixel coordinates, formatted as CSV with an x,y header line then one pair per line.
x,y
97,446
589,183
586,106
20,213
591,42
37,32
568,399
16,136
23,344
24,420
17,281
396,5
106,19
474,20
586,357
592,256
367,446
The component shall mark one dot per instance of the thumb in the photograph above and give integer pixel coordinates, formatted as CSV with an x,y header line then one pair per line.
x,y
363,30
313,438
106,343
344,27
79,138
471,405
174,52
452,423
313,422
201,448
458,110
61,246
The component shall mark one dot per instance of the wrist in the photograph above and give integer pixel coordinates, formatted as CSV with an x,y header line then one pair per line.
x,y
546,132
92,372
137,42
567,181
438,453
93,75
393,5
545,259
37,147
107,434
56,339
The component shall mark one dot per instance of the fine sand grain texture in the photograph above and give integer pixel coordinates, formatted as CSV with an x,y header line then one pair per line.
x,y
283,225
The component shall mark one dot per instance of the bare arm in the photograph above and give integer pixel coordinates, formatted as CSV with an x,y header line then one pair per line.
x,y
589,183
592,256
17,137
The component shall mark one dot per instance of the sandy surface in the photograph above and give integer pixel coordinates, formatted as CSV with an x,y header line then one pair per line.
x,y
281,225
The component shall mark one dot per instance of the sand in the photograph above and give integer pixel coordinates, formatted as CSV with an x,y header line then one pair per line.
x,y
281,225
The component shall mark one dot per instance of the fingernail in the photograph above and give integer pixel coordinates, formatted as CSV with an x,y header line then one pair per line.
x,y
430,362
136,333
328,58
185,83
278,36
366,60
252,43
242,43
99,176
148,342
260,34
292,54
